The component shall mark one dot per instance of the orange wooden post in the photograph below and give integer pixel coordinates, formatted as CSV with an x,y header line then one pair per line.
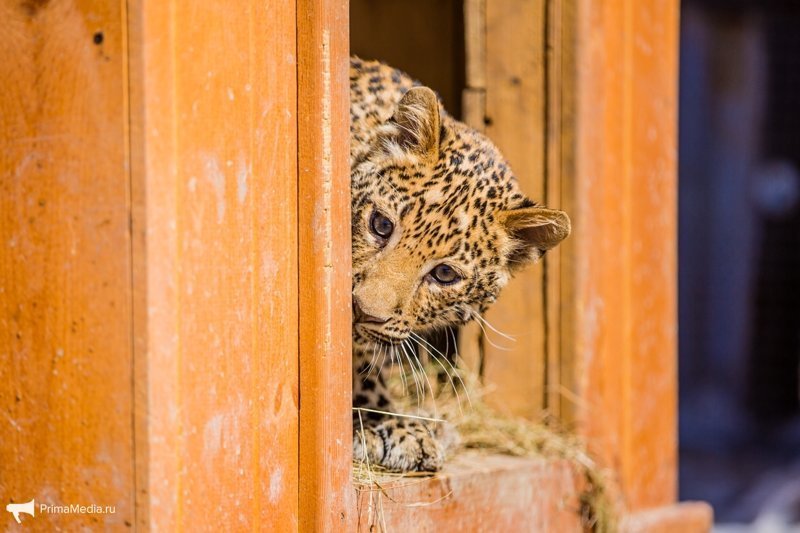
x,y
214,115
625,242
326,496
65,263
214,166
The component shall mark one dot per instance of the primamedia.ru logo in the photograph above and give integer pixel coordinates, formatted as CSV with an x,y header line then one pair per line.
x,y
32,508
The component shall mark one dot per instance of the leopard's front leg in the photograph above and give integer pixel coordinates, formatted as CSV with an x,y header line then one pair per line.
x,y
396,443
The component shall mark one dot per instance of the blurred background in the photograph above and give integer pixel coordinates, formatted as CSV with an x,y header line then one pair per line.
x,y
739,260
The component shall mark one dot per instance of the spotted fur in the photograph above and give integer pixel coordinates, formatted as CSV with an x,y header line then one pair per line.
x,y
451,199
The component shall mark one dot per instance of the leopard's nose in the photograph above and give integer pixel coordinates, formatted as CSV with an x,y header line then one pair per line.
x,y
360,316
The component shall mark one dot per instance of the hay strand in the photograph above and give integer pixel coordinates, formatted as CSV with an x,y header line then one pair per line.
x,y
481,429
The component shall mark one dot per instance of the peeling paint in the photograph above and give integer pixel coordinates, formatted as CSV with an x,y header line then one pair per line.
x,y
327,184
241,180
276,485
216,177
212,435
269,268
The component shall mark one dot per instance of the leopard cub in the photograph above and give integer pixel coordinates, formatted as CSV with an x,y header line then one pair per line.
x,y
439,226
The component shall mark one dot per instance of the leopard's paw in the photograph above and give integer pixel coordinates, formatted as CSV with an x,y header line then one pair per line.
x,y
368,446
400,446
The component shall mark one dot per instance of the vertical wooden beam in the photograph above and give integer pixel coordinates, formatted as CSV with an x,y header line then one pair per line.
x,y
214,177
326,496
560,399
65,290
515,121
470,336
474,98
625,241
155,266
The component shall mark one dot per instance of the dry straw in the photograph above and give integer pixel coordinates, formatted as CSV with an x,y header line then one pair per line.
x,y
481,429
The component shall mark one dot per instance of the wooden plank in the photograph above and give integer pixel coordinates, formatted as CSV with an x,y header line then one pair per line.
x,y
325,302
625,242
65,301
475,44
515,110
470,336
214,166
561,396
653,51
684,517
479,493
473,108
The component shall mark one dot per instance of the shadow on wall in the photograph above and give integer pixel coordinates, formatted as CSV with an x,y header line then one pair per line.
x,y
430,44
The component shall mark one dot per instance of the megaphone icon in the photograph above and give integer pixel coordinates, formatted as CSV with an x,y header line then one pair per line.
x,y
16,508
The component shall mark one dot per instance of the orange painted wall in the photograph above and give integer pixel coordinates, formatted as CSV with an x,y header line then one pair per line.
x,y
66,356
149,265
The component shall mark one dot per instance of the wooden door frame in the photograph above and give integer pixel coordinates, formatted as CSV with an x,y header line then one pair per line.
x,y
609,298
622,271
608,353
213,171
608,294
326,494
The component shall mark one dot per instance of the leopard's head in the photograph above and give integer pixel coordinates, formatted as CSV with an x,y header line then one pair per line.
x,y
439,224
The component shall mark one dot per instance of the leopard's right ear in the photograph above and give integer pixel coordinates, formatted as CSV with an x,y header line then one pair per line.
x,y
415,126
533,230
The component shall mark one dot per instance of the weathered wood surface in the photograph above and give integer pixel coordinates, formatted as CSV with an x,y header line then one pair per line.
x,y
684,517
515,121
214,163
65,263
560,399
625,242
326,497
481,493
151,240
608,115
505,98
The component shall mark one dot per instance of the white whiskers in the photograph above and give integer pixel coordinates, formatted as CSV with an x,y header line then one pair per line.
x,y
428,347
481,322
490,326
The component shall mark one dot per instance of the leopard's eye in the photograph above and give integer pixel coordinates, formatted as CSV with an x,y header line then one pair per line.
x,y
381,225
445,274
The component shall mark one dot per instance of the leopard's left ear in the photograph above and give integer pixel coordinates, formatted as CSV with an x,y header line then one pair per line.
x,y
416,123
533,231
